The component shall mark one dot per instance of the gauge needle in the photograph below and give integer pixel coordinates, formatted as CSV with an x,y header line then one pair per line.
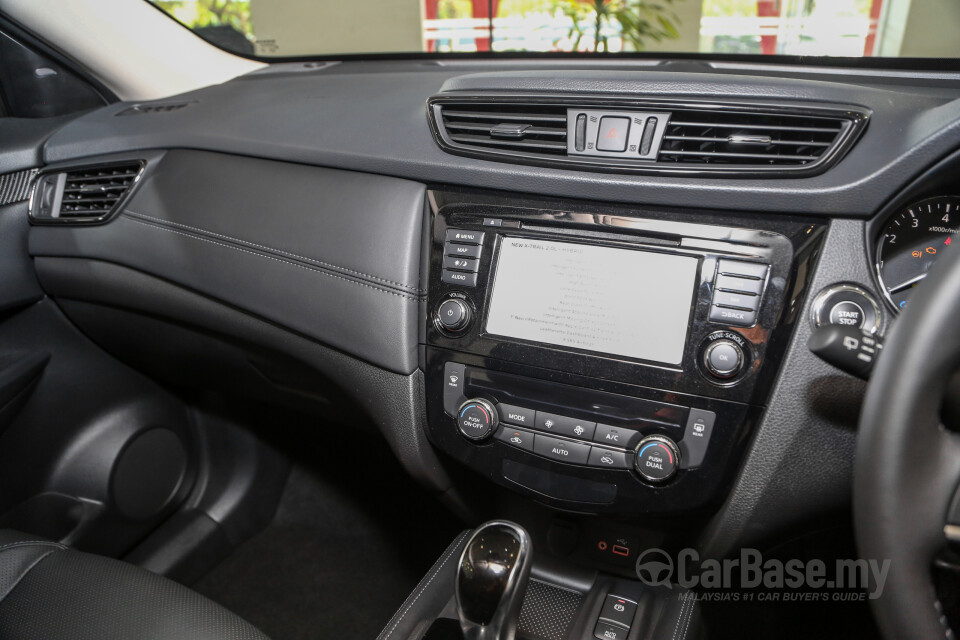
x,y
909,283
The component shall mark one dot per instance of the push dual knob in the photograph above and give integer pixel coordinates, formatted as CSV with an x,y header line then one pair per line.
x,y
477,419
657,458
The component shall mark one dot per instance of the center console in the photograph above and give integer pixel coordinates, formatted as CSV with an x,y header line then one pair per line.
x,y
605,359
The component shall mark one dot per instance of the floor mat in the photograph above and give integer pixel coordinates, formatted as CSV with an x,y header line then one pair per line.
x,y
342,554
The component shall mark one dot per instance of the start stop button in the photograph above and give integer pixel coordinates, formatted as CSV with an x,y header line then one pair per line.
x,y
846,305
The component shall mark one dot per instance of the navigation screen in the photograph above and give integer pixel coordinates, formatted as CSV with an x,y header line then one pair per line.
x,y
623,302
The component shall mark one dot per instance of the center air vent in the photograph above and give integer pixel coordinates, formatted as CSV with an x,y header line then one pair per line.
x,y
709,137
88,194
528,127
647,136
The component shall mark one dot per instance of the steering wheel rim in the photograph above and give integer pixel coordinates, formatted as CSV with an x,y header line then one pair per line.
x,y
907,465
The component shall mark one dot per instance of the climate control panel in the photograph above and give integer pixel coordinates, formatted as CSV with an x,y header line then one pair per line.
x,y
573,444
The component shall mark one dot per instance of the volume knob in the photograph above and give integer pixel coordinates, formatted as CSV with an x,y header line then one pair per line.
x,y
453,314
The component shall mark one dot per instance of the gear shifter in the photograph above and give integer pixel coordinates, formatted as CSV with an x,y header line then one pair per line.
x,y
492,579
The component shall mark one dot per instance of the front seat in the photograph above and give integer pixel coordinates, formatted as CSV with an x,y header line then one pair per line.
x,y
50,592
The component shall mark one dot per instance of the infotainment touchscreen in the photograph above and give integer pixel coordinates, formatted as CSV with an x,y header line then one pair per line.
x,y
623,302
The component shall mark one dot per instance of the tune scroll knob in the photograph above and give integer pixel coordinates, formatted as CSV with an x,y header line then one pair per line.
x,y
724,359
477,419
453,315
657,458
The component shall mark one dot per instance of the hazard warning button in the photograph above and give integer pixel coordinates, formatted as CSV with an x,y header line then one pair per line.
x,y
613,133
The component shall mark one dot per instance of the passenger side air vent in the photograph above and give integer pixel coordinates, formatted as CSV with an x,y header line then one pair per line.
x,y
710,137
83,195
527,128
647,136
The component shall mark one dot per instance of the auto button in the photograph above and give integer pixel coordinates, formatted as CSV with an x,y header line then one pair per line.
x,y
572,452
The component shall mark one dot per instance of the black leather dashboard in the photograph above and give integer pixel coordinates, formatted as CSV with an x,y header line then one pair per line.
x,y
298,198
331,255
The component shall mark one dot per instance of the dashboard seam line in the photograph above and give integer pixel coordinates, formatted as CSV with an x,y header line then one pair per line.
x,y
161,222
381,289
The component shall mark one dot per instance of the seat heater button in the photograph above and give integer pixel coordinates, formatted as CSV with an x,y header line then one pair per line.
x,y
609,458
571,452
517,415
618,610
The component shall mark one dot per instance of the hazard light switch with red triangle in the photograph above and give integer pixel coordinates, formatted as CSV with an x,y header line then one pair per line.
x,y
613,134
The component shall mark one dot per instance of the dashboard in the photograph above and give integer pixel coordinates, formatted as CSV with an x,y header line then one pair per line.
x,y
564,282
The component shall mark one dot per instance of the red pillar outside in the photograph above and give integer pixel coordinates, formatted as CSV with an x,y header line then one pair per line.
x,y
481,9
768,9
430,13
871,41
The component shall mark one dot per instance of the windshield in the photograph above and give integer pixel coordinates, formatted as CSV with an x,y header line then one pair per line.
x,y
314,28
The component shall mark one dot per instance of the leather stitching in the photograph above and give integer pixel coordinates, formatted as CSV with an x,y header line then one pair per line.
x,y
329,265
280,260
686,624
28,569
683,607
433,574
26,543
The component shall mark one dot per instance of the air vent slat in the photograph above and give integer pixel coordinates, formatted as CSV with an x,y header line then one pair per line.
x,y
720,154
795,143
531,144
495,115
459,126
755,126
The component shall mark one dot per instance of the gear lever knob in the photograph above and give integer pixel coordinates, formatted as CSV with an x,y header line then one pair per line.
x,y
492,579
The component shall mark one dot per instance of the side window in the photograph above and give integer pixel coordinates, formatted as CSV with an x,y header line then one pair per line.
x,y
34,86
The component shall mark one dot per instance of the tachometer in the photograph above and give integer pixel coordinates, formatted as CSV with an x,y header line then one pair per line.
x,y
912,241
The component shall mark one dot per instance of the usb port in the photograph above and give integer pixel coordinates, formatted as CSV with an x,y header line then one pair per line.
x,y
621,551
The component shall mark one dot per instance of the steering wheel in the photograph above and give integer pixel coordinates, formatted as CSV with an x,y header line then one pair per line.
x,y
907,466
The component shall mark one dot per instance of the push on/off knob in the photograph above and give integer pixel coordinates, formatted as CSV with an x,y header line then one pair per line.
x,y
657,458
477,419
723,359
453,314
